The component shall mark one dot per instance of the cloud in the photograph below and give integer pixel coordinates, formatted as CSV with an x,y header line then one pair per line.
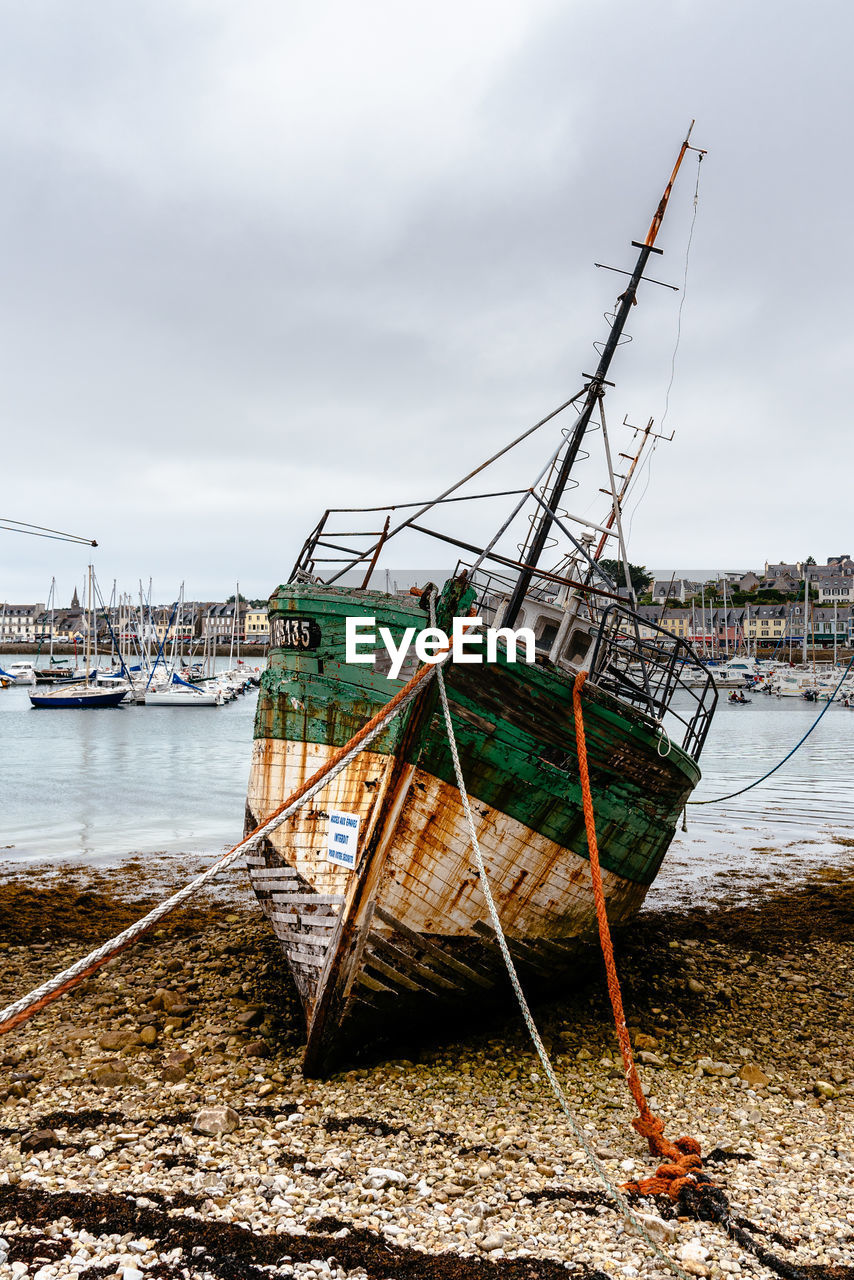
x,y
259,260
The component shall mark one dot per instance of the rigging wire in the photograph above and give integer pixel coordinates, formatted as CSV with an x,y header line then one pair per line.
x,y
42,531
799,743
647,465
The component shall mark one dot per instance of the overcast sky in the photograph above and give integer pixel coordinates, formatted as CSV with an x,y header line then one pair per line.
x,y
259,259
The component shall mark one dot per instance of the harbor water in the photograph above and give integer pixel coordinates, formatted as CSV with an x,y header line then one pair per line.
x,y
99,785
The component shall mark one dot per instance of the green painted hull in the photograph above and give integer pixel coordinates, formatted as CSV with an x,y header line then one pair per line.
x,y
515,731
514,725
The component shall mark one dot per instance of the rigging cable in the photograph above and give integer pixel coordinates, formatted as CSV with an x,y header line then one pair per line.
x,y
800,742
41,531
647,465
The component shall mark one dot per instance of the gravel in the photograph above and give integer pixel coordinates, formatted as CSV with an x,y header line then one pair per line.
x,y
155,1122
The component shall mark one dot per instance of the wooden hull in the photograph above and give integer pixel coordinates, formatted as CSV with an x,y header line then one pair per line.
x,y
405,934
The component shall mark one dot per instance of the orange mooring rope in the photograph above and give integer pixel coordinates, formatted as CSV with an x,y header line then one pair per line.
x,y
680,1159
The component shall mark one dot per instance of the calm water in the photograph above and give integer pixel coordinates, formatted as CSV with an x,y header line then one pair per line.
x,y
107,782
101,784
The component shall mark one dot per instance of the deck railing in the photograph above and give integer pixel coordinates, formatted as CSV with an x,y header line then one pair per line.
x,y
644,665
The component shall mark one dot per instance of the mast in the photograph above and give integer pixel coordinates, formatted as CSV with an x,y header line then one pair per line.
x,y
52,615
595,391
89,630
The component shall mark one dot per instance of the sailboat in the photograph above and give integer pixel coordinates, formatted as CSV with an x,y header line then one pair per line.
x,y
85,694
55,672
388,931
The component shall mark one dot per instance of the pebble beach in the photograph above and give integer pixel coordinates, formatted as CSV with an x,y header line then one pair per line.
x,y
155,1122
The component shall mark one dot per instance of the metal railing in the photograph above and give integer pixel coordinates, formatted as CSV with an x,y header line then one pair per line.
x,y
644,665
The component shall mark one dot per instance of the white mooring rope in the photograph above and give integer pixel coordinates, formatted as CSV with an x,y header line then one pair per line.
x,y
620,1200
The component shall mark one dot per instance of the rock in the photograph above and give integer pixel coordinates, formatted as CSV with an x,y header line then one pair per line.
x,y
709,1067
216,1120
658,1228
821,1088
173,1074
696,988
583,1055
693,1256
111,1074
174,1002
650,1059
96,1153
181,1058
258,1049
754,1076
39,1140
250,1018
495,1240
148,1035
378,1179
112,1040
643,1041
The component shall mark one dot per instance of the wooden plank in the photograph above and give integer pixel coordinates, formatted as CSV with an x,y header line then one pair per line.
x,y
523,951
284,917
389,971
433,948
379,942
307,957
319,899
373,984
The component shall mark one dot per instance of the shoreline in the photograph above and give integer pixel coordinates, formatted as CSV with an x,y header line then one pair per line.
x,y
454,1162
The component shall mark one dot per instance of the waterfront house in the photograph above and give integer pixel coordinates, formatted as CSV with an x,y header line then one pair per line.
x,y
256,625
19,623
835,590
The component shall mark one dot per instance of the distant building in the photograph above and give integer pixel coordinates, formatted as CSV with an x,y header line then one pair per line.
x,y
257,626
793,572
219,622
835,590
676,589
19,623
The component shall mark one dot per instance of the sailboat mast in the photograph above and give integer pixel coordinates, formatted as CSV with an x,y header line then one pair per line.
x,y
595,390
52,615
89,630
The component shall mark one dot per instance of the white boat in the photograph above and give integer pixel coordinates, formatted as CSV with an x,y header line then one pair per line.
x,y
21,672
181,697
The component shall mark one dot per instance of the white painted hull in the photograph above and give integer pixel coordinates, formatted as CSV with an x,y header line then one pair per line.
x,y
180,698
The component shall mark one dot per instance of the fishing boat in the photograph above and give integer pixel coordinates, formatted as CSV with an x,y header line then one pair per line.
x,y
371,890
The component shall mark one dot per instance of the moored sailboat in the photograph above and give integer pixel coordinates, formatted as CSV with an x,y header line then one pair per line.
x,y
87,693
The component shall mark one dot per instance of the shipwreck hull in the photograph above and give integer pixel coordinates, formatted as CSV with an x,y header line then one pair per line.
x,y
405,936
